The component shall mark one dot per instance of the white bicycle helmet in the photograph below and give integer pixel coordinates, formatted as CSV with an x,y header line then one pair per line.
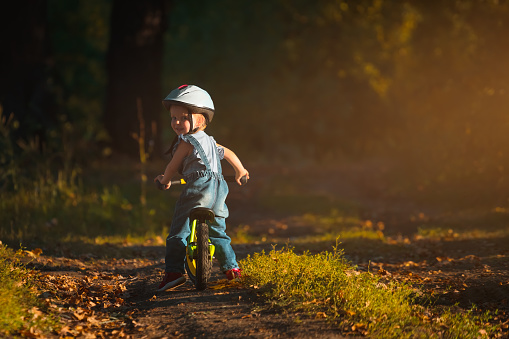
x,y
193,97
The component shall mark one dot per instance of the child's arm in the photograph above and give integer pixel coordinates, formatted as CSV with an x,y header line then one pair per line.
x,y
233,160
183,150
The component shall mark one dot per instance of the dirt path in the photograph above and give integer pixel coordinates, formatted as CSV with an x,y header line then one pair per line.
x,y
116,297
225,310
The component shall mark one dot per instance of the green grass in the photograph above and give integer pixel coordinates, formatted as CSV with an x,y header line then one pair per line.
x,y
459,233
51,209
326,285
22,313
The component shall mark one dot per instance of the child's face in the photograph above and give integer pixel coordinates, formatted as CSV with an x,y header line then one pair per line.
x,y
180,119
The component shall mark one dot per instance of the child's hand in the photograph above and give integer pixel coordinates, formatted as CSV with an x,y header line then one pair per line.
x,y
158,180
240,174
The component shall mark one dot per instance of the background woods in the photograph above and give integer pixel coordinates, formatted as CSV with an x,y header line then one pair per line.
x,y
134,70
25,68
421,85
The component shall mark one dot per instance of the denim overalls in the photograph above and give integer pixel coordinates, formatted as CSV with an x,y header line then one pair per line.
x,y
205,187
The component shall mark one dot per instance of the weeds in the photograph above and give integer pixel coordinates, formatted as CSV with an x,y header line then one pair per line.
x,y
326,285
58,208
240,235
21,312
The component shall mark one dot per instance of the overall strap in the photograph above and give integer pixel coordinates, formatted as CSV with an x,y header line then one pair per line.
x,y
200,150
219,168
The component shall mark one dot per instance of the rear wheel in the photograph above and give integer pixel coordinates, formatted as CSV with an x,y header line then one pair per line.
x,y
198,261
203,262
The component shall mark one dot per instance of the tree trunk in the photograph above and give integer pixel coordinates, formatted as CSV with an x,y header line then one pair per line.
x,y
134,68
24,68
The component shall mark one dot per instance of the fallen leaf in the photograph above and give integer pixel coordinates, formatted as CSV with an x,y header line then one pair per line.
x,y
359,327
36,313
79,316
65,330
93,320
34,253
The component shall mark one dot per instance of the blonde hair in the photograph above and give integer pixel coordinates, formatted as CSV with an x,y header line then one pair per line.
x,y
201,121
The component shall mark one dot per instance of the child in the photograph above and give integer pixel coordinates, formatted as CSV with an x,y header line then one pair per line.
x,y
196,156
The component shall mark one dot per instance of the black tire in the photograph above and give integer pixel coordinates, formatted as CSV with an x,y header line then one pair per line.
x,y
203,262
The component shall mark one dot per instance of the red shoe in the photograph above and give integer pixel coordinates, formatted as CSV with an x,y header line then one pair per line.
x,y
234,273
171,280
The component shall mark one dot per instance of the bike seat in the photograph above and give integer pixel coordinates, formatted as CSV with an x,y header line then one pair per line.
x,y
202,214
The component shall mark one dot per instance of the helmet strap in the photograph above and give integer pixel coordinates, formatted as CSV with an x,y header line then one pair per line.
x,y
193,131
191,121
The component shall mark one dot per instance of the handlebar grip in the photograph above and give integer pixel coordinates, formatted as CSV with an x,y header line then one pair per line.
x,y
159,185
178,182
231,178
243,180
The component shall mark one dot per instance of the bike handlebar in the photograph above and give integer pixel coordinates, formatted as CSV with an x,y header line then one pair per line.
x,y
231,178
228,178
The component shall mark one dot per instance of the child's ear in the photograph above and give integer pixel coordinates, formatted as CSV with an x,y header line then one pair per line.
x,y
200,120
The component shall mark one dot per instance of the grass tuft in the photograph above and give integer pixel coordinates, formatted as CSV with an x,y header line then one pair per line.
x,y
326,285
22,312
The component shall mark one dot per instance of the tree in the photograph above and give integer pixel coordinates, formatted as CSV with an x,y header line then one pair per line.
x,y
25,65
134,69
